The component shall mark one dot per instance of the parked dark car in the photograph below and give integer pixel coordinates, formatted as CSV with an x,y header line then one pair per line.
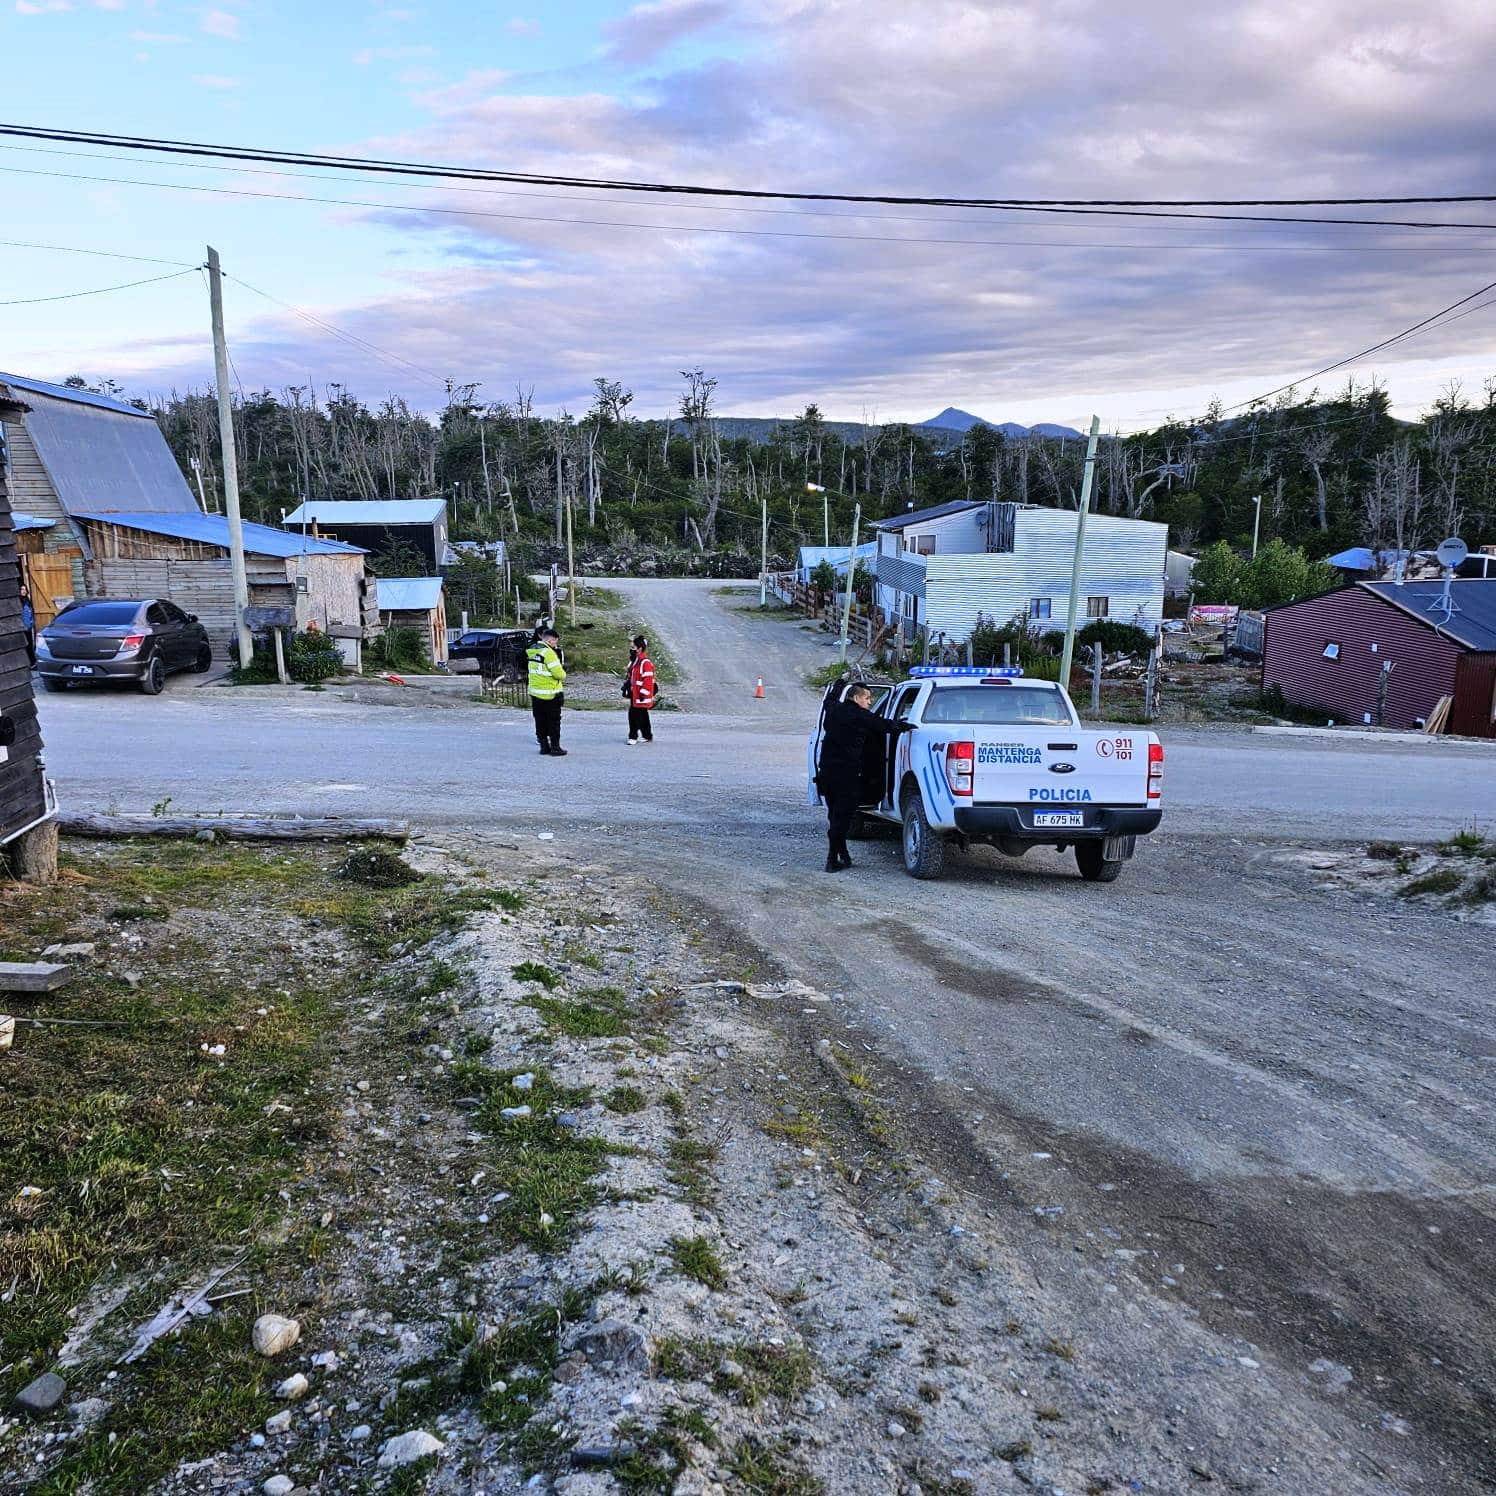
x,y
500,653
140,640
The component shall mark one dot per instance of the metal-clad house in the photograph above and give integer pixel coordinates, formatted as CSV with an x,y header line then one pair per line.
x,y
24,799
389,529
185,557
811,557
72,450
938,569
1331,653
418,603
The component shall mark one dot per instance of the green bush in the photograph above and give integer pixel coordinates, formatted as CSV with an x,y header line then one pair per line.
x,y
313,656
1115,637
398,648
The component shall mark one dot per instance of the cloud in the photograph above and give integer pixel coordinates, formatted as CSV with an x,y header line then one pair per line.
x,y
1049,315
522,26
41,7
648,30
214,80
221,23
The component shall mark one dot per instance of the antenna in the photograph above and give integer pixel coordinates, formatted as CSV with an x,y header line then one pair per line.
x,y
1450,554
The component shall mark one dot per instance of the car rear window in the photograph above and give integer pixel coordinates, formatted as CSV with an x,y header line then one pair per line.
x,y
100,613
1007,705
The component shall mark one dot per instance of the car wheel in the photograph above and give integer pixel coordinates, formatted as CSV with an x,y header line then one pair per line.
x,y
1095,868
154,679
51,683
924,849
204,661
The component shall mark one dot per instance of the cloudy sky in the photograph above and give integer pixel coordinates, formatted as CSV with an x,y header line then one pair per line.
x,y
1016,316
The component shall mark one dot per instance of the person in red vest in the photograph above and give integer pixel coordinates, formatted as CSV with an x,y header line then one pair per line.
x,y
641,692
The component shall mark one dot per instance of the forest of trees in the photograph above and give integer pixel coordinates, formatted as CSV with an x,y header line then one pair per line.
x,y
1332,471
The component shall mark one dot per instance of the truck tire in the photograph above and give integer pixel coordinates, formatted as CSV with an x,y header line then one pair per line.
x,y
1095,868
924,849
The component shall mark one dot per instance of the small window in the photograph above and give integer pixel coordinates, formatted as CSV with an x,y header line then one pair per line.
x,y
1097,607
905,704
1332,649
157,615
924,545
1040,607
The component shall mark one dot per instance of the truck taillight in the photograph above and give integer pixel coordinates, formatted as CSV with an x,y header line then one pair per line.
x,y
959,758
1155,770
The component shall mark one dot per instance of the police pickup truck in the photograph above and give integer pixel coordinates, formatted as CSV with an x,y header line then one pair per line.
x,y
998,758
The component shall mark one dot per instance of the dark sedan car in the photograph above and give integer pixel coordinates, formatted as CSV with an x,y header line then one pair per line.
x,y
499,653
139,640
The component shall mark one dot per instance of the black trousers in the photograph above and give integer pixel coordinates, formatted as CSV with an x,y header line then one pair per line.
x,y
639,724
841,806
547,716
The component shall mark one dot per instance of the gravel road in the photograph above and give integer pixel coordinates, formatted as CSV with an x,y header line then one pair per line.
x,y
1291,1089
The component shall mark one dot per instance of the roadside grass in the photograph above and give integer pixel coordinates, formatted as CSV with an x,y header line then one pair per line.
x,y
1440,880
598,643
823,675
744,1369
146,1159
687,1169
601,1013
697,1257
625,1100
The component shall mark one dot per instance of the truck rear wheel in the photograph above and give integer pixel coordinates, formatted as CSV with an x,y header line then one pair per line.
x,y
1095,868
924,849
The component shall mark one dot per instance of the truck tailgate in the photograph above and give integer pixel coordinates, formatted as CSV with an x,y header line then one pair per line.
x,y
1060,766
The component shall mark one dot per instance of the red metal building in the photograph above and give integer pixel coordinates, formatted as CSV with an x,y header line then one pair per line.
x,y
1382,653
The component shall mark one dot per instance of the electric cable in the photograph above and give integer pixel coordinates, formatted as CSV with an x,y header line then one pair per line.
x,y
104,254
99,290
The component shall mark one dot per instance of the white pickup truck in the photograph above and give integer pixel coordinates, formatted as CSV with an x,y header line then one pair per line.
x,y
997,758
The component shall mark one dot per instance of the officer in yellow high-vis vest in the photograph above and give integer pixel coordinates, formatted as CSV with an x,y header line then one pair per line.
x,y
547,678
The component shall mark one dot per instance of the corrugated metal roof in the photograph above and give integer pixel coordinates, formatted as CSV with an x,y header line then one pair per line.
x,y
368,512
408,594
811,556
213,529
99,454
77,397
920,516
30,521
1363,558
1474,625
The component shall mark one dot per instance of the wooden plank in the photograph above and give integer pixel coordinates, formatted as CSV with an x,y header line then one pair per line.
x,y
32,976
234,828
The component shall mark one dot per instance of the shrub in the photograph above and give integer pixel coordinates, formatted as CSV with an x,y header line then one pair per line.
x,y
399,647
1115,637
313,656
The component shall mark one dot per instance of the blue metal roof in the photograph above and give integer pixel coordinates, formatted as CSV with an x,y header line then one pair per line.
x,y
1363,558
408,594
77,397
368,512
1473,625
213,529
30,521
811,556
920,516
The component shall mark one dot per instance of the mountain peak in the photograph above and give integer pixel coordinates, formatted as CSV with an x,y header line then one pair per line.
x,y
952,418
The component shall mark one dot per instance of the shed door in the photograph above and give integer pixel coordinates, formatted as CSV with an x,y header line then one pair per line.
x,y
51,581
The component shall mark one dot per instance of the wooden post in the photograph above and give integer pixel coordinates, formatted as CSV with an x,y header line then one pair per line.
x,y
1096,680
280,659
32,856
229,459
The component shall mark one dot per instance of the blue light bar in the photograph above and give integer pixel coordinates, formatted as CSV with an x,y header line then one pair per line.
x,y
928,672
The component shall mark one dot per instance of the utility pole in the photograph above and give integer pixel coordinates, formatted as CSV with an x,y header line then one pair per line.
x,y
763,575
571,566
230,462
1256,521
1080,540
851,582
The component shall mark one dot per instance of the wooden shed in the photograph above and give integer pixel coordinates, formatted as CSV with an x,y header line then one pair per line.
x,y
418,603
1384,653
26,801
185,557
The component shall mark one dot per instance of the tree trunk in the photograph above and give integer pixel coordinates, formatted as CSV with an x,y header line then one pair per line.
x,y
32,856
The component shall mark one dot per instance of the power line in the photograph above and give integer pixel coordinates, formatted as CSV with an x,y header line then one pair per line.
x,y
677,228
99,290
1134,208
105,254
711,207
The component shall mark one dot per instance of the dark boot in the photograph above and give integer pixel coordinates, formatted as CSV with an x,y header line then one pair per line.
x,y
832,865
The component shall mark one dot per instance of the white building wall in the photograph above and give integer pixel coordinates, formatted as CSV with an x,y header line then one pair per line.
x,y
1123,562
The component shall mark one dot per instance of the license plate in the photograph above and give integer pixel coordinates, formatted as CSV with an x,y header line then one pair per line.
x,y
1059,818
80,669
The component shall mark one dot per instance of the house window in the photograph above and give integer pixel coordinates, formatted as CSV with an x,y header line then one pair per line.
x,y
924,545
1097,607
1040,607
1332,649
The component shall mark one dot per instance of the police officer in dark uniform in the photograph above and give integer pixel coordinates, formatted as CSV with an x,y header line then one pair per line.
x,y
839,774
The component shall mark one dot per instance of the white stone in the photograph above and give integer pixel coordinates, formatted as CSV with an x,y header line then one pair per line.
x,y
274,1333
326,1360
294,1388
278,1485
278,1423
406,1449
359,1434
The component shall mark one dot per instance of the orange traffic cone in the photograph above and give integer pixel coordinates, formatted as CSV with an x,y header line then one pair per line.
x,y
758,693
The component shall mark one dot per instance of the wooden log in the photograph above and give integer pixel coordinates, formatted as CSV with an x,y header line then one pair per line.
x,y
234,828
32,976
32,856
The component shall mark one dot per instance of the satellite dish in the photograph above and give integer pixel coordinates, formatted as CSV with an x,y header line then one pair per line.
x,y
1451,552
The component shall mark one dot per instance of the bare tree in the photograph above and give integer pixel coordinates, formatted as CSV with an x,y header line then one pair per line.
x,y
696,411
1449,437
1315,447
870,439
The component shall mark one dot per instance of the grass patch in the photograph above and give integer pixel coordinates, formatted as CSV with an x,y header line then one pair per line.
x,y
1466,843
534,971
697,1257
769,1469
1061,1348
126,912
376,868
600,1014
1385,851
823,675
687,1169
747,1370
625,1100
1440,880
